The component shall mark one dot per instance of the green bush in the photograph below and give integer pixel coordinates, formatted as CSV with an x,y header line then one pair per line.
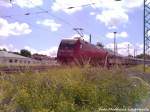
x,y
70,90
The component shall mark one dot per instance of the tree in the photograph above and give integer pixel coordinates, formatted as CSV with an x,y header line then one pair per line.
x,y
142,56
130,56
3,49
16,53
25,53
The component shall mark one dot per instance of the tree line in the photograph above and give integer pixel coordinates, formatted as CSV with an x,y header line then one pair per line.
x,y
23,52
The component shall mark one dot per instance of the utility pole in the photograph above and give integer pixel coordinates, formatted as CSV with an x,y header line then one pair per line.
x,y
144,50
146,29
90,38
115,43
115,47
135,52
128,50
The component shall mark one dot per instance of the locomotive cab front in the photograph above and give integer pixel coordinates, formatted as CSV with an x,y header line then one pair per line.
x,y
67,50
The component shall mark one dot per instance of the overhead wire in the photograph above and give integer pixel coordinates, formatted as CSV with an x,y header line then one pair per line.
x,y
28,14
25,14
42,11
69,8
35,26
93,3
70,25
78,22
52,15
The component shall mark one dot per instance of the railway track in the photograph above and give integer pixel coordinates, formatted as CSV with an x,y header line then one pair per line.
x,y
23,69
39,68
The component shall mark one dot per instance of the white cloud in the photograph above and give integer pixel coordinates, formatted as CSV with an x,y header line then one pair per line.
x,y
112,13
16,28
123,34
22,3
5,3
9,47
133,3
28,3
32,50
112,18
139,48
92,13
118,35
110,35
49,52
50,23
115,13
122,48
63,5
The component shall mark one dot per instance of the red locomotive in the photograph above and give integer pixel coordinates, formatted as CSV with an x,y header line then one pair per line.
x,y
80,52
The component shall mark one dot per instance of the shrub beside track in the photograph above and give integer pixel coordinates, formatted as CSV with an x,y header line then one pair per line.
x,y
70,90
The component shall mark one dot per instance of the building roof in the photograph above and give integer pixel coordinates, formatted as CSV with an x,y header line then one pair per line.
x,y
10,55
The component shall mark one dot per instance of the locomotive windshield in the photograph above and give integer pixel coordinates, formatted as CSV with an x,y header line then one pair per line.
x,y
67,44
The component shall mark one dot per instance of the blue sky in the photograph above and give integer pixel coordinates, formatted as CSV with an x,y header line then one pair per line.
x,y
27,24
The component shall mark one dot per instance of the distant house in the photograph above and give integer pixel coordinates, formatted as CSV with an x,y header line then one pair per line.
x,y
7,58
44,59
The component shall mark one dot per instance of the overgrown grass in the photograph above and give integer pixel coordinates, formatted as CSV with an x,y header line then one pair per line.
x,y
140,68
70,90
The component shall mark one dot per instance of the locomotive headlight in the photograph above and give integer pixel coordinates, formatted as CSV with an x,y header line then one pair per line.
x,y
81,46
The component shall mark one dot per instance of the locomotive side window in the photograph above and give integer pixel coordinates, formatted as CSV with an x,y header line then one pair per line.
x,y
67,45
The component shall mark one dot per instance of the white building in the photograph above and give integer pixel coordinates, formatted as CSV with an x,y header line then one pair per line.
x,y
7,58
